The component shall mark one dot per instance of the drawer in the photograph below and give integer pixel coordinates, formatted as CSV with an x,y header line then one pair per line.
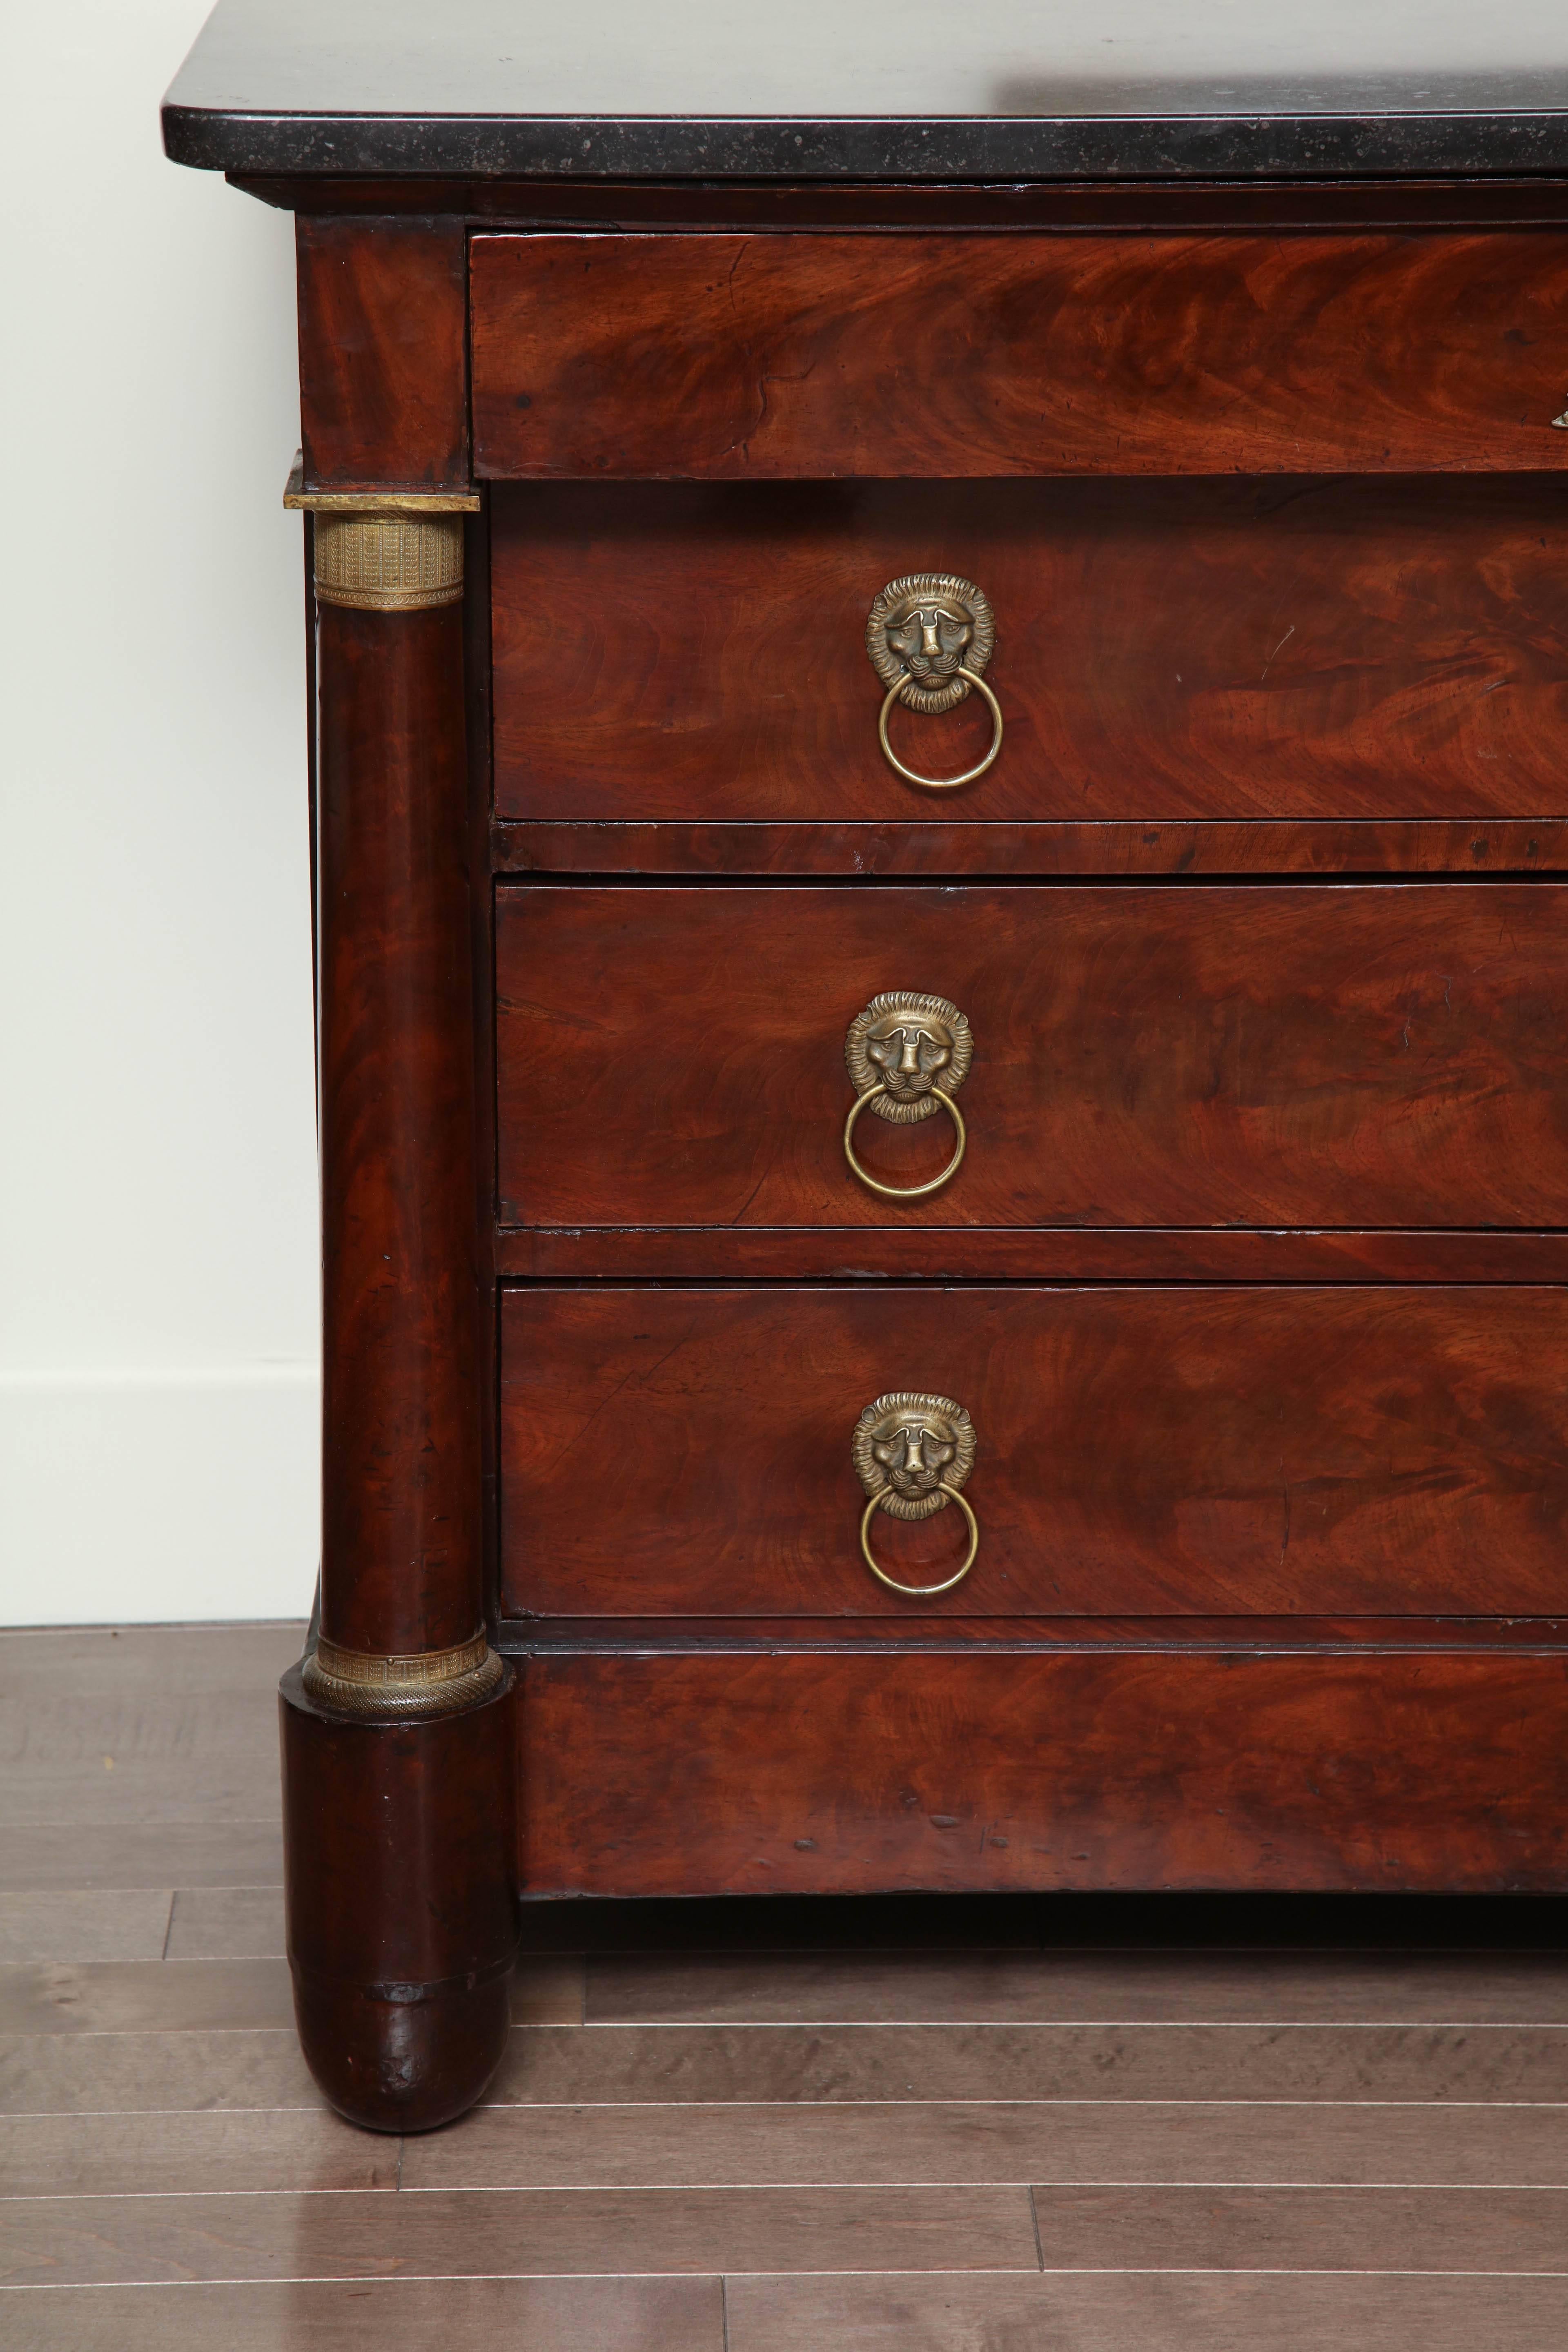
x,y
726,1774
1163,1055
1164,650
1139,1452
748,357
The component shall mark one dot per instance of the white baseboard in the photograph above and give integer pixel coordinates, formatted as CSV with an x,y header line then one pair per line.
x,y
137,1498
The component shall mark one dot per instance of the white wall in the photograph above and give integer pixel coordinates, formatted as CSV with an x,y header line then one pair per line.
x,y
158,1312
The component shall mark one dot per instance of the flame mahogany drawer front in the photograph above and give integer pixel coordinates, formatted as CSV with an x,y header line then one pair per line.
x,y
1306,649
1164,1056
1355,1452
816,1773
742,357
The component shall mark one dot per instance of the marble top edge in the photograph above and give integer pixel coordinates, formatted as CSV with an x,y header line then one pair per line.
x,y
889,89
1391,144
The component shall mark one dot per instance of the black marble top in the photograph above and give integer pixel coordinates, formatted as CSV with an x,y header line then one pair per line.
x,y
878,90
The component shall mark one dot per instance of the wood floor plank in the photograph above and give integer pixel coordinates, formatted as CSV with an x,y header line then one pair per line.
x,y
197,1996
44,1664
89,2240
202,2068
547,1989
1522,2229
105,1772
226,1923
148,1723
113,1924
1124,1987
192,2071
751,2063
146,1997
992,2141
1057,2313
102,1855
108,2155
468,2314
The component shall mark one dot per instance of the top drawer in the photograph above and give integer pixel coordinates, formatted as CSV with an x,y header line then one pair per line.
x,y
752,357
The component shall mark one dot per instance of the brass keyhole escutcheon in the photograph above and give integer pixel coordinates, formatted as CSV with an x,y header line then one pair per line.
x,y
912,1453
908,1054
929,636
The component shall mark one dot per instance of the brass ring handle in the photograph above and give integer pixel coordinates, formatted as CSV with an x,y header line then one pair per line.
x,y
940,784
920,1591
929,635
908,1054
905,1191
912,1452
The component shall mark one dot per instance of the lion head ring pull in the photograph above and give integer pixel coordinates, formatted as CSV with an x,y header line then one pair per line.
x,y
930,635
912,1455
908,1056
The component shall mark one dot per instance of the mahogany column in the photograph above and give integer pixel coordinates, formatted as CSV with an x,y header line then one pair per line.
x,y
397,1779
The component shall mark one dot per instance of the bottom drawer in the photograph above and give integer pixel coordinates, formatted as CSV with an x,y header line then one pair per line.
x,y
719,1774
1249,1451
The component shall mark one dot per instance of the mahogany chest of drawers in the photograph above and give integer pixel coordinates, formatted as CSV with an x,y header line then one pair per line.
x,y
941,777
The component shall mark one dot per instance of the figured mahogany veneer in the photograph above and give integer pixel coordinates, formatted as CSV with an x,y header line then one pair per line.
x,y
1246,1452
401,1499
905,848
1393,649
1026,1253
1162,1056
735,357
1040,1636
383,353
723,1774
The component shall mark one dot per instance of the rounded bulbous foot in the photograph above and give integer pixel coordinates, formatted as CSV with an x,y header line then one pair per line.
x,y
399,1861
403,2064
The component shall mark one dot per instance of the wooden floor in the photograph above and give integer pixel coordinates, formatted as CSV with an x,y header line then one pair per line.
x,y
899,2128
